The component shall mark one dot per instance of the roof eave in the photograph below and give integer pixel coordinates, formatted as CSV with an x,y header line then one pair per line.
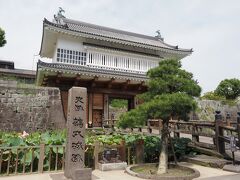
x,y
40,52
146,46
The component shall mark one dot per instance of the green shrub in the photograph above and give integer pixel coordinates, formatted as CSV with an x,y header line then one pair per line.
x,y
151,146
212,96
119,103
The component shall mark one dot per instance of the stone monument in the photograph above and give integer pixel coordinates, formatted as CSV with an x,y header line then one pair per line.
x,y
75,147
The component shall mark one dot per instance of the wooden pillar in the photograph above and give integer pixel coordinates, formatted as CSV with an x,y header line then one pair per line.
x,y
135,102
105,107
64,100
238,128
140,151
219,133
131,104
90,107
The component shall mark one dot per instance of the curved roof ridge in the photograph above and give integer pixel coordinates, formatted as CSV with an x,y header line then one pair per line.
x,y
77,22
80,26
110,29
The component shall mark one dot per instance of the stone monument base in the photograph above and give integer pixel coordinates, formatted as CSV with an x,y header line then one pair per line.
x,y
112,166
82,174
232,168
79,175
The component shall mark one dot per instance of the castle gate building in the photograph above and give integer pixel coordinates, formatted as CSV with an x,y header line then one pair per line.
x,y
110,63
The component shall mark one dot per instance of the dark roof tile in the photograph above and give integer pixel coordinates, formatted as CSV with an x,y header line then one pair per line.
x,y
97,30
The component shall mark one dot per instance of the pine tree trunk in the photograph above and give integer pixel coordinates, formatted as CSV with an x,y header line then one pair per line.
x,y
163,157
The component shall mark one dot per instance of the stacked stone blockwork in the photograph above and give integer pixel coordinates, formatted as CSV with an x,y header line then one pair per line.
x,y
30,108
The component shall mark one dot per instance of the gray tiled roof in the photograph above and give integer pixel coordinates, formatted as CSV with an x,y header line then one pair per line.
x,y
91,71
19,72
83,27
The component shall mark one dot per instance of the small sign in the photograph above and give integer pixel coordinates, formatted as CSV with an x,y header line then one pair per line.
x,y
233,146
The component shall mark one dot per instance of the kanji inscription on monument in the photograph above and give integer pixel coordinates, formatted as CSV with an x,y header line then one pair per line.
x,y
76,120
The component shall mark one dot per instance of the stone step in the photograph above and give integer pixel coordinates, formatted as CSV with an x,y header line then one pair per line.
x,y
205,151
205,145
208,161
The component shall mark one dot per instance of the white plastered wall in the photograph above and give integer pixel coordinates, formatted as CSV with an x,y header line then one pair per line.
x,y
69,43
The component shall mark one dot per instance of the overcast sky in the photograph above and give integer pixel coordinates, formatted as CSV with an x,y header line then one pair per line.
x,y
210,27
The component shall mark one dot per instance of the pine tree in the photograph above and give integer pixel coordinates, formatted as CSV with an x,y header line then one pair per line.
x,y
171,95
2,38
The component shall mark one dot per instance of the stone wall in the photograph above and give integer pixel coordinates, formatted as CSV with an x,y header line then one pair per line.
x,y
30,108
206,110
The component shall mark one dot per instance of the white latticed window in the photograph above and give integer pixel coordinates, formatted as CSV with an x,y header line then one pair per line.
x,y
71,57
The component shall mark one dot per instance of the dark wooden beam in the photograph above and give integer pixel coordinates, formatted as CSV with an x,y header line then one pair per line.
x,y
125,85
58,77
93,82
140,86
112,91
77,79
110,83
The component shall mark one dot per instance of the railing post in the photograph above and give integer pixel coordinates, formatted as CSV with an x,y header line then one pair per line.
x,y
96,153
129,155
228,117
149,127
139,129
238,128
41,158
112,124
140,151
220,144
160,126
176,128
122,151
195,136
1,156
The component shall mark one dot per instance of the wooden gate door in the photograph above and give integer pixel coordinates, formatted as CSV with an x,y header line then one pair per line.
x,y
97,118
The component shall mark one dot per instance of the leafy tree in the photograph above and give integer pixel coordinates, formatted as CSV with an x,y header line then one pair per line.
x,y
229,88
170,95
119,103
2,38
134,118
212,96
